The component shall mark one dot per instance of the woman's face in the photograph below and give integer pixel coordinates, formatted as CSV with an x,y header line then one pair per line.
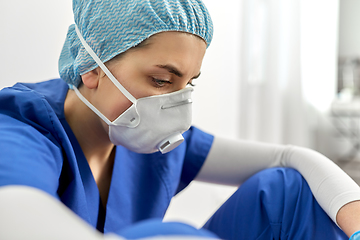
x,y
166,63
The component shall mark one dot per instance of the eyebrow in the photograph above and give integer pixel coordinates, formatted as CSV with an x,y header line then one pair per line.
x,y
175,71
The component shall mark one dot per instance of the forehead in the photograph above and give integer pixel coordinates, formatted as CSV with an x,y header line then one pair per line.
x,y
181,51
176,46
170,45
166,40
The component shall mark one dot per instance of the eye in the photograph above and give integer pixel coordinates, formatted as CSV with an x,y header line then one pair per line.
x,y
191,83
160,83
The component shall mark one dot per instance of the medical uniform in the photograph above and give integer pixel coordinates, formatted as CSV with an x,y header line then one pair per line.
x,y
38,149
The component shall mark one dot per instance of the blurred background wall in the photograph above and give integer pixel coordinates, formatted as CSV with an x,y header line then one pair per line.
x,y
271,73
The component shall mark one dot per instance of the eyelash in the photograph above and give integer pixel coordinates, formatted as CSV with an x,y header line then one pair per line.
x,y
191,84
160,83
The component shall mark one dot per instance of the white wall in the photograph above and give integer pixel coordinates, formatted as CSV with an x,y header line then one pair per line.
x,y
319,51
349,34
32,34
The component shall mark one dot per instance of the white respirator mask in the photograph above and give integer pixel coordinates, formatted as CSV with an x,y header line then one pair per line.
x,y
151,123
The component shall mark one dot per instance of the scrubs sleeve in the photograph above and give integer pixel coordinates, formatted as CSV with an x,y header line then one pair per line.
x,y
198,144
28,156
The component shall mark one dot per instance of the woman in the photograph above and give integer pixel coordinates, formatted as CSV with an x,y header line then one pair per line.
x,y
105,140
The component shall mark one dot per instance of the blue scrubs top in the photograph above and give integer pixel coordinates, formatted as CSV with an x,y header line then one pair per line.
x,y
39,149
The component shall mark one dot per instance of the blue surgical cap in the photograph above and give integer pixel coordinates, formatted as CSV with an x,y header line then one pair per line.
x,y
111,27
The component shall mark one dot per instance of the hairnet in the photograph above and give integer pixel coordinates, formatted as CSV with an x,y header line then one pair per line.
x,y
111,27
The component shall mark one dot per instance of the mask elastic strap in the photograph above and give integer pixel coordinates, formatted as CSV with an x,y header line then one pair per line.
x,y
103,67
82,98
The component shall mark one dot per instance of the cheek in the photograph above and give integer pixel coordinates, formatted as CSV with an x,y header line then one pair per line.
x,y
138,86
133,80
117,106
140,91
112,103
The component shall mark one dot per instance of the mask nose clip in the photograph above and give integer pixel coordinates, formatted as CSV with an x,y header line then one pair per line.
x,y
176,104
170,143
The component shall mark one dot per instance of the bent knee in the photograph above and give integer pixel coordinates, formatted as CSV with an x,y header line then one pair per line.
x,y
274,182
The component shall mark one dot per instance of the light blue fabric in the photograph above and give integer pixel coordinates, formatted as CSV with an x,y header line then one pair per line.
x,y
355,236
111,27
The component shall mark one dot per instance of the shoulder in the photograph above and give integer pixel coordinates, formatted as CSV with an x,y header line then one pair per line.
x,y
52,92
38,105
30,135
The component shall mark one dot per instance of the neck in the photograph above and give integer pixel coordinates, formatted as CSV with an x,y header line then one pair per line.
x,y
89,129
91,133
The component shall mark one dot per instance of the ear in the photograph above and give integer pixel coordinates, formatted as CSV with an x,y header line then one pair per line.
x,y
91,79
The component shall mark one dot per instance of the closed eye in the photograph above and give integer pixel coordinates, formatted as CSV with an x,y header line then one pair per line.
x,y
191,84
158,83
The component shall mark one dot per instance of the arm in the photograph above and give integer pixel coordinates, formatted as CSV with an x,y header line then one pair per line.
x,y
233,161
30,213
348,218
